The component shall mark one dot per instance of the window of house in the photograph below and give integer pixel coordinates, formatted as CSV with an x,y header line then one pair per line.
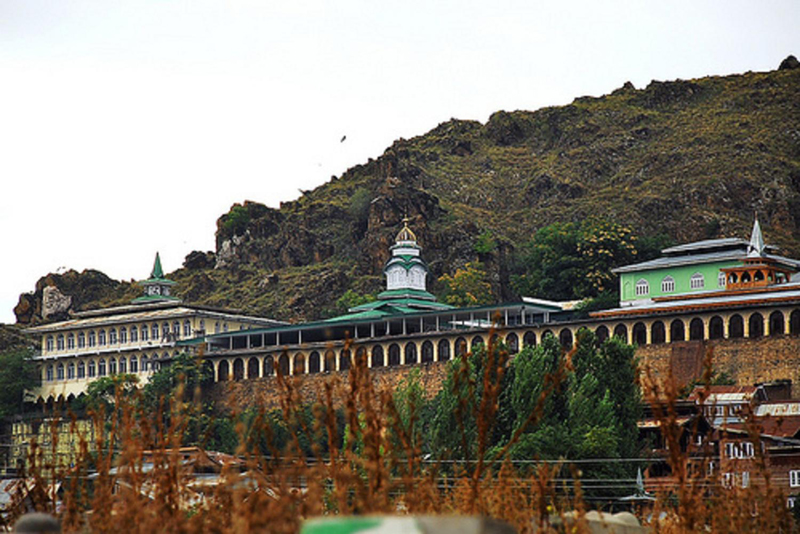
x,y
101,337
49,343
145,364
101,368
642,288
49,373
134,364
81,370
794,478
112,366
112,337
60,371
92,339
144,333
203,325
790,502
698,281
71,341
727,480
81,340
123,365
668,285
165,331
123,335
60,342
721,279
746,479
92,369
176,328
154,332
216,327
134,334
225,327
748,451
187,328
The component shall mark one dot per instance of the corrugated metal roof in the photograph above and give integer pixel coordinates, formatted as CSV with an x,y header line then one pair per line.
x,y
706,244
675,261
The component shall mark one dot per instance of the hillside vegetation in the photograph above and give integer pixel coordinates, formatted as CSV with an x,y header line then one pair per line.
x,y
683,160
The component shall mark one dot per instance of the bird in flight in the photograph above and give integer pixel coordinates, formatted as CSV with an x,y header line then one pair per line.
x,y
343,138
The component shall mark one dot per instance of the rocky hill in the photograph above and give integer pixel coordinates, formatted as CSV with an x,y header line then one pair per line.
x,y
691,159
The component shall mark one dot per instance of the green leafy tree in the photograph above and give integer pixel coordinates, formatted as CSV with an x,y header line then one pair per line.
x,y
351,299
467,287
235,221
101,393
17,375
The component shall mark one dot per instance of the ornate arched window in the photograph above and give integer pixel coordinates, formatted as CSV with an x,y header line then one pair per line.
x,y
92,369
101,337
697,281
134,334
81,340
667,284
60,371
642,287
123,335
187,328
112,337
49,343
71,341
60,342
81,370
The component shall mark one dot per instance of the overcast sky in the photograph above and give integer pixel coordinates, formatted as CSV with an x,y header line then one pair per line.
x,y
128,127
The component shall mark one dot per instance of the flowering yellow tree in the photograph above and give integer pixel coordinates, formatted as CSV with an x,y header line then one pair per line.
x,y
467,287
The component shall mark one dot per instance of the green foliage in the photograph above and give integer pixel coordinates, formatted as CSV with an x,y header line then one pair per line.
x,y
17,375
359,205
235,221
102,392
467,287
485,243
567,261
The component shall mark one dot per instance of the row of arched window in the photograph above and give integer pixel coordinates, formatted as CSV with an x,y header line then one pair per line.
x,y
101,367
697,281
114,336
413,352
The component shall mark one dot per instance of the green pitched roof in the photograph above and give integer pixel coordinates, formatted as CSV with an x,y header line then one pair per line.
x,y
158,272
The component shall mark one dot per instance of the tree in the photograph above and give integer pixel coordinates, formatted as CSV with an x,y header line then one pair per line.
x,y
102,393
467,287
17,375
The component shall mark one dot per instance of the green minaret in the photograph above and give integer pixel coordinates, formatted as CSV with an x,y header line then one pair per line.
x,y
156,288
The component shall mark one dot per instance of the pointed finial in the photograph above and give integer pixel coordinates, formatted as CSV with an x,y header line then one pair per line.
x,y
406,234
158,272
756,247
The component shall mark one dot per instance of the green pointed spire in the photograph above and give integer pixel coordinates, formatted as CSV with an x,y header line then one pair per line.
x,y
158,272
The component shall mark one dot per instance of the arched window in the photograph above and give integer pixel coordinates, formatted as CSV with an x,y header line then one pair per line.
x,y
756,323
512,342
361,356
92,369
145,333
269,366
81,370
411,353
621,331
216,327
344,360
134,334
314,365
697,281
601,333
203,325
112,337
165,331
49,343
667,284
222,371
252,368
112,366
565,338
794,322
154,332
377,356
777,325
736,326
427,352
721,279
134,364
123,335
640,334
443,350
81,340
92,339
225,327
696,330
677,331
299,366
123,365
60,371
716,329
176,329
330,361
101,337
529,339
658,332
145,362
71,371
71,341
642,287
187,328
238,369
394,354
49,373
60,342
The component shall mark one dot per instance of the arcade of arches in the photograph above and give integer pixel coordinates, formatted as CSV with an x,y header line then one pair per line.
x,y
410,350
